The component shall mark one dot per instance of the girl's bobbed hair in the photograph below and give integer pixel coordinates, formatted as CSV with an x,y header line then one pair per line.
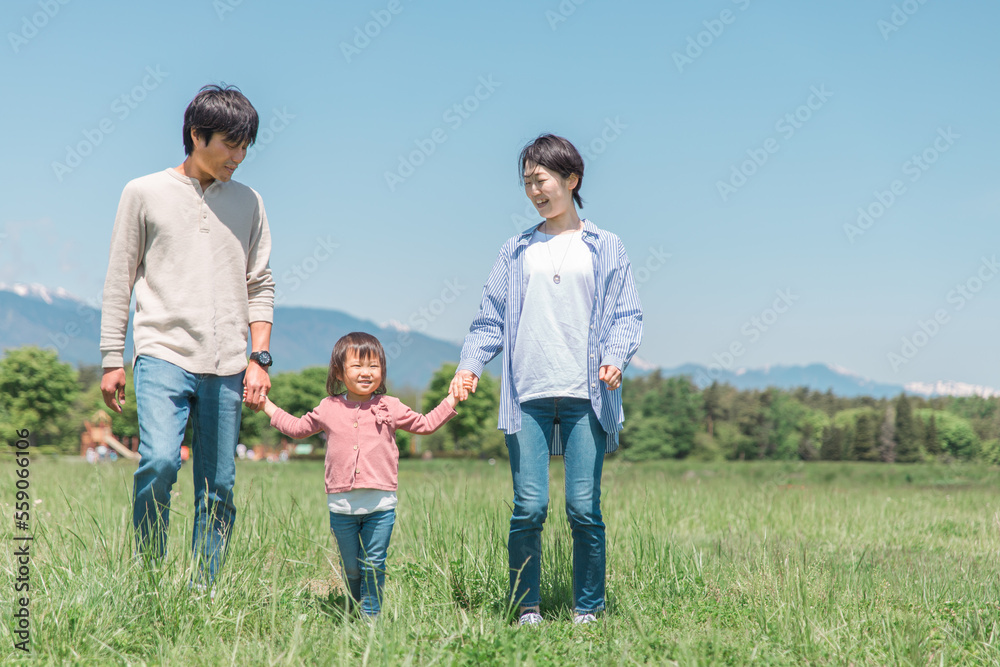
x,y
557,155
365,346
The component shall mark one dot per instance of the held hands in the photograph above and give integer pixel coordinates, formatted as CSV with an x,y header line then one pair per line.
x,y
256,384
461,385
266,405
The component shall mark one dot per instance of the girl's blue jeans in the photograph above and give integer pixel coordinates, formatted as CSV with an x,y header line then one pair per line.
x,y
583,442
364,542
166,397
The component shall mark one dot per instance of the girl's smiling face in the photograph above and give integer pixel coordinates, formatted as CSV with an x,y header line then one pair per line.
x,y
551,194
361,376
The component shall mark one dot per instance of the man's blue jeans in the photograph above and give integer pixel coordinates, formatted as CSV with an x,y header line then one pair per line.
x,y
584,442
166,396
364,543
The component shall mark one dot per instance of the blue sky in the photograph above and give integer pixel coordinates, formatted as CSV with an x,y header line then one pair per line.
x,y
729,143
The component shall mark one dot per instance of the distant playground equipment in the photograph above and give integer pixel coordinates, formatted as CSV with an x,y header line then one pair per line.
x,y
97,439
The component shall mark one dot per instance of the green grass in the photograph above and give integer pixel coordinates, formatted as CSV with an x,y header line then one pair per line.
x,y
769,563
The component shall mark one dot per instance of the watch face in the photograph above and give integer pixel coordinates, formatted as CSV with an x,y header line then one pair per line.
x,y
264,359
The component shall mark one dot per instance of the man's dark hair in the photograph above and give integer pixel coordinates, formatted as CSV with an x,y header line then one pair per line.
x,y
557,155
220,109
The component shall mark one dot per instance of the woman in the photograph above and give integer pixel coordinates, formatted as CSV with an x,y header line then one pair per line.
x,y
561,304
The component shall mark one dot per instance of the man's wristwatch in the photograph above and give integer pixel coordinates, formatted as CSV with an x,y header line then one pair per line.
x,y
262,358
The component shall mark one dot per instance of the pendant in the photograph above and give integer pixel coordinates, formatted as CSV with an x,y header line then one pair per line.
x,y
555,279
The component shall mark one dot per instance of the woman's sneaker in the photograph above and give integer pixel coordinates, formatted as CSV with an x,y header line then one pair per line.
x,y
584,618
530,618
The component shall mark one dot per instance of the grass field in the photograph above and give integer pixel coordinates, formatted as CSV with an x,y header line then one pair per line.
x,y
735,563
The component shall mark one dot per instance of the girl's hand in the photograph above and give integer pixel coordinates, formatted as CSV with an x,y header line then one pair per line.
x,y
267,406
610,376
451,400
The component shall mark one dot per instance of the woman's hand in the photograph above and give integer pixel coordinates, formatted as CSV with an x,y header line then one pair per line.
x,y
462,384
610,376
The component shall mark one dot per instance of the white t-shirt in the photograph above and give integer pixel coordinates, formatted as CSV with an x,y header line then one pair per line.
x,y
550,350
361,501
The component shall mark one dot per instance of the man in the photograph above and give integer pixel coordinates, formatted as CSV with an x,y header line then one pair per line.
x,y
195,246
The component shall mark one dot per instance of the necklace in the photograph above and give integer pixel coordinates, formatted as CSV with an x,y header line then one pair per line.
x,y
555,277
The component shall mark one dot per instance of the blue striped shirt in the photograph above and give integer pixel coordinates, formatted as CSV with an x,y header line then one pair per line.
x,y
615,326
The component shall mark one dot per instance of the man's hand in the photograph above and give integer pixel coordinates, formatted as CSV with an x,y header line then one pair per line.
x,y
610,376
113,388
256,383
462,384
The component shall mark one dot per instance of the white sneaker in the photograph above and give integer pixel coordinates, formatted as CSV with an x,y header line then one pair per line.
x,y
530,618
580,619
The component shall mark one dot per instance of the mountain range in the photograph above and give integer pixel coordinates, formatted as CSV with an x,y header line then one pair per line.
x,y
36,315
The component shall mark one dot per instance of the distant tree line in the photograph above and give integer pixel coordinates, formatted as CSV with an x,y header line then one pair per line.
x,y
672,418
665,417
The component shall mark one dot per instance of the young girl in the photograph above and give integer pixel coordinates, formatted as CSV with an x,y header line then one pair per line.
x,y
562,305
362,459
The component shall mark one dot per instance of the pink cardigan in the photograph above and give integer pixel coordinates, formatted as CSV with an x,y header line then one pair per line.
x,y
361,450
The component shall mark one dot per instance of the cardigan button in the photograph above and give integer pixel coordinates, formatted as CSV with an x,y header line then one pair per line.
x,y
355,424
357,472
355,446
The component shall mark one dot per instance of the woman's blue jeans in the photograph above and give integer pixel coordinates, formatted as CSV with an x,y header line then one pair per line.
x,y
583,442
364,543
166,396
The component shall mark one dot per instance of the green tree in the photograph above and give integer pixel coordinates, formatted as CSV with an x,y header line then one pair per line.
x,y
865,447
36,389
887,436
469,431
931,444
712,397
907,449
832,448
954,435
671,412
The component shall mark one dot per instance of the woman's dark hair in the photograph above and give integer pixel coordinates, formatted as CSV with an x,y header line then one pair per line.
x,y
220,109
365,346
557,155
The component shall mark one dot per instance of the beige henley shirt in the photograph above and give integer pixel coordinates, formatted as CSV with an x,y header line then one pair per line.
x,y
199,264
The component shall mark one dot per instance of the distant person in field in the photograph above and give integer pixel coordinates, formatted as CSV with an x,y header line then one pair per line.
x,y
194,245
562,305
362,458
